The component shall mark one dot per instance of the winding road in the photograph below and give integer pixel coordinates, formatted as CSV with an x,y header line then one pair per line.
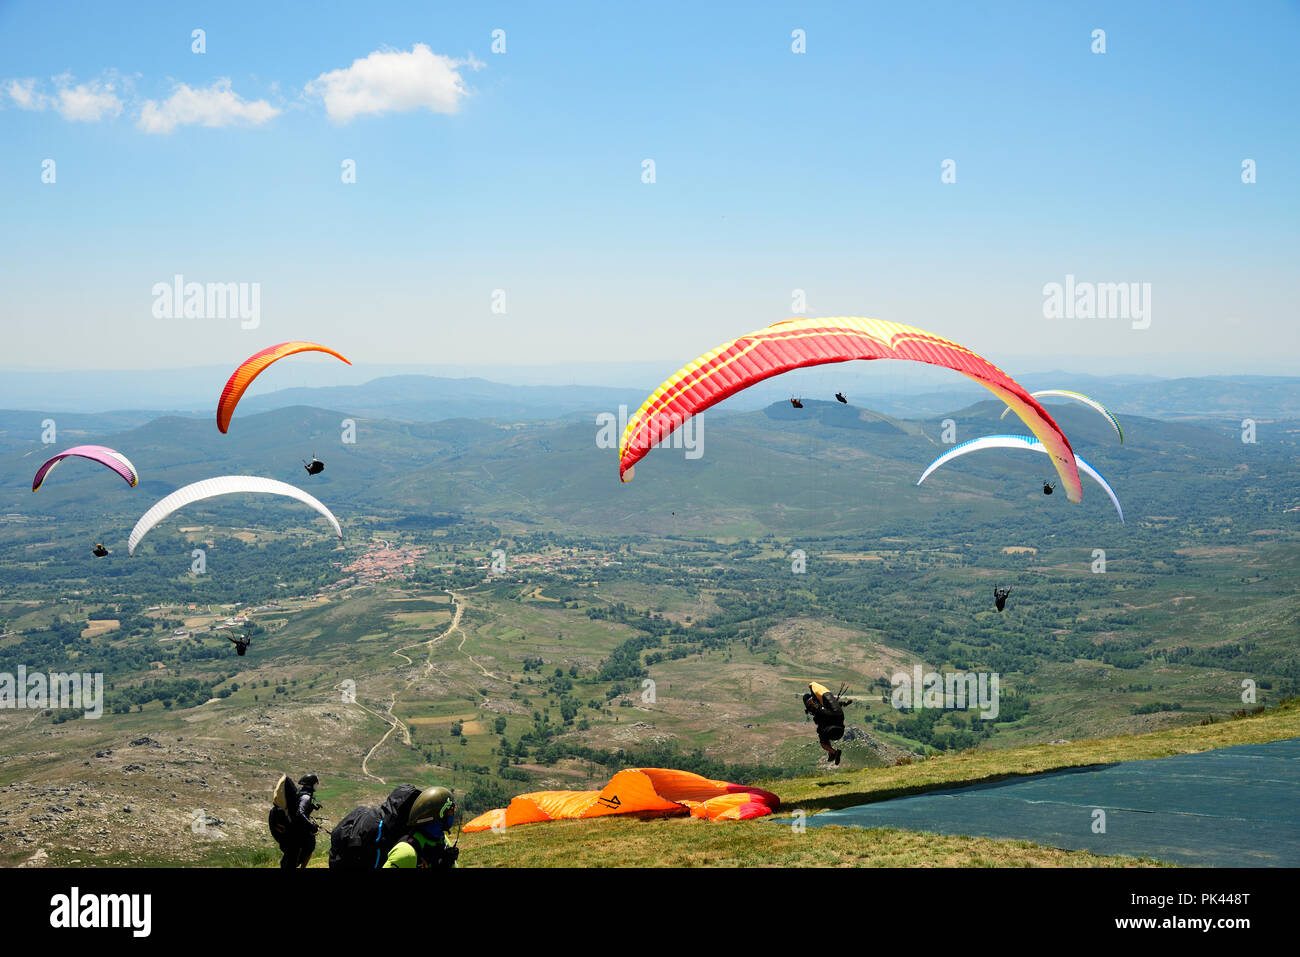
x,y
395,723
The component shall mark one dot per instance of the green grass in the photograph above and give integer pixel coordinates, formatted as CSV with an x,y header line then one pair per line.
x,y
621,842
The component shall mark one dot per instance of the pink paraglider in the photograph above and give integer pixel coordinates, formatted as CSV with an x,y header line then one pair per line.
x,y
116,461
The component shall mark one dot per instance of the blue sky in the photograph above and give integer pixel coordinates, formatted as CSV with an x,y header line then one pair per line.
x,y
775,171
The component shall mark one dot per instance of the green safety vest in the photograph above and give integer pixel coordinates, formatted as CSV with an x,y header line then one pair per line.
x,y
404,853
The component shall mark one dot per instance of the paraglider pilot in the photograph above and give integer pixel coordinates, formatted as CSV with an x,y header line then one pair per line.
x,y
241,643
291,825
798,404
431,819
827,712
840,396
1048,488
99,551
314,467
1000,596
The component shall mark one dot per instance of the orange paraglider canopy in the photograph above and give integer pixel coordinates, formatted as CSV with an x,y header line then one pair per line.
x,y
252,367
637,791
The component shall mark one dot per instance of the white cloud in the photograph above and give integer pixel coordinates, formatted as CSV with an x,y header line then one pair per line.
x,y
88,102
391,81
81,102
23,93
216,105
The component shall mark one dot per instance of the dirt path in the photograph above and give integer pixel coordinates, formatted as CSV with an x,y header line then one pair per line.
x,y
461,648
395,723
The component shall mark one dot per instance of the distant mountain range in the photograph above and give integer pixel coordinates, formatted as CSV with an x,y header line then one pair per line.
x,y
825,468
903,390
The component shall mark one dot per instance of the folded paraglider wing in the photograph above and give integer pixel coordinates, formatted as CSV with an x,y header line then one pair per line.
x,y
116,461
254,366
223,485
1016,442
645,791
796,343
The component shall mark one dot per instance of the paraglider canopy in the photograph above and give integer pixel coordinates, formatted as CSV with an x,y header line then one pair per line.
x,y
114,460
254,366
223,485
799,343
1079,397
1017,442
657,791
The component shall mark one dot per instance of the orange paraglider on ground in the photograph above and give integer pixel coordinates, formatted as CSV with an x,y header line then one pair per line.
x,y
646,791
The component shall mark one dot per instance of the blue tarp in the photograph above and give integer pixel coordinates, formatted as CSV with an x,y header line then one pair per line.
x,y
1233,807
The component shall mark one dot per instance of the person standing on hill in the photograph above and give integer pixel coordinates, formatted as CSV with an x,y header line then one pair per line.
x,y
290,820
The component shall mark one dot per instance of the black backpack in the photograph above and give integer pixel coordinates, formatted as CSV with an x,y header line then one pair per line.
x,y
280,820
831,706
362,840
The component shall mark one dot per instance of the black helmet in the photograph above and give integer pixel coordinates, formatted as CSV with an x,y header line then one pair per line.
x,y
308,782
434,804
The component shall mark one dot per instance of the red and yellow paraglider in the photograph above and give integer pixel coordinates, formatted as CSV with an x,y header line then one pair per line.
x,y
254,366
796,343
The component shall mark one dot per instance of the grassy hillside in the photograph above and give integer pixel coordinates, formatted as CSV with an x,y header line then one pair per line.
x,y
678,842
406,655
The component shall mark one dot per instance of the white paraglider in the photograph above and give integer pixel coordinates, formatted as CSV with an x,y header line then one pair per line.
x,y
1017,442
223,485
1078,397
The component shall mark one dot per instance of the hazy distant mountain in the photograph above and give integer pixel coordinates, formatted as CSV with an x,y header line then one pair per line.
x,y
1260,397
429,398
825,468
23,430
81,402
